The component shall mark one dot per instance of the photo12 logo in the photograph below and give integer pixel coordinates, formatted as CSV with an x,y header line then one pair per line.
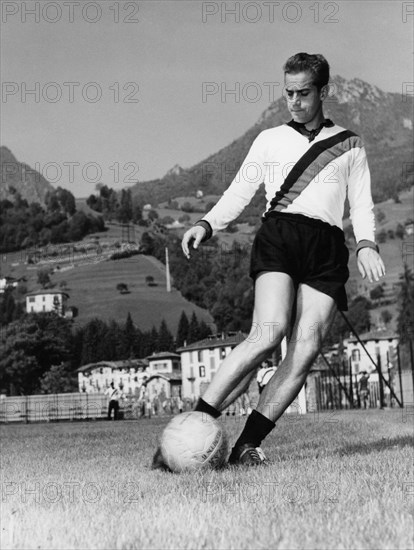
x,y
71,171
69,92
269,12
69,12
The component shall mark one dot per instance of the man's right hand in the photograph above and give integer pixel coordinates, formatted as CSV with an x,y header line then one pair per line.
x,y
196,234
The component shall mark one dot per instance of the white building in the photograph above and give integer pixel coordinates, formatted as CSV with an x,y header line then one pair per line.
x,y
380,344
47,300
128,375
157,375
164,375
200,361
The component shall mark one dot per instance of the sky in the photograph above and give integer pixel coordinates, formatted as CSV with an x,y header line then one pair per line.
x,y
119,92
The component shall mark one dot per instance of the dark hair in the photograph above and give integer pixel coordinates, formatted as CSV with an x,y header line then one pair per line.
x,y
315,64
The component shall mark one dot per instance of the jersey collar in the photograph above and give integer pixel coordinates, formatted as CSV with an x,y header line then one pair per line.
x,y
310,134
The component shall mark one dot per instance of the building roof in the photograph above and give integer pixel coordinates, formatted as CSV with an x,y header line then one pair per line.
x,y
47,291
375,335
163,355
216,341
126,364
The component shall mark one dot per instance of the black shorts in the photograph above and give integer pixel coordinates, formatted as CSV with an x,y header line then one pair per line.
x,y
311,251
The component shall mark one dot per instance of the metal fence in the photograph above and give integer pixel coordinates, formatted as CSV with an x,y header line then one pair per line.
x,y
341,392
84,406
48,408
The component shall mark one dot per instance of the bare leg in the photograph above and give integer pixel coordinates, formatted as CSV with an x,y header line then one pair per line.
x,y
315,313
238,390
274,296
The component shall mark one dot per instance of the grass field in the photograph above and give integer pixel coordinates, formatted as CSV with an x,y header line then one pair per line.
x,y
336,480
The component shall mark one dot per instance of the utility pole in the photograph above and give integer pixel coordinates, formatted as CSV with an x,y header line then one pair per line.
x,y
167,270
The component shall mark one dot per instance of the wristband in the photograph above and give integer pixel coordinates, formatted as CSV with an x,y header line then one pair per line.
x,y
207,227
365,243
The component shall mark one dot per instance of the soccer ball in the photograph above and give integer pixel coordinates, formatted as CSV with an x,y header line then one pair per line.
x,y
193,441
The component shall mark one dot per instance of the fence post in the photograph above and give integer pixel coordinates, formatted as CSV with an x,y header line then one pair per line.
x,y
26,410
399,375
381,385
351,389
410,345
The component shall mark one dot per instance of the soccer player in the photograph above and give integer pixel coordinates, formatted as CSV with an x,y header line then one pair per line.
x,y
299,257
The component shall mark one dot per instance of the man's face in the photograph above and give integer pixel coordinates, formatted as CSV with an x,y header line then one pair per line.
x,y
304,100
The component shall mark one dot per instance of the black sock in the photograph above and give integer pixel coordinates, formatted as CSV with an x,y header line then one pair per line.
x,y
204,407
256,429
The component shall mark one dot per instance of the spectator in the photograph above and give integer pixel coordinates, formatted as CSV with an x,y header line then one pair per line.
x,y
114,396
363,389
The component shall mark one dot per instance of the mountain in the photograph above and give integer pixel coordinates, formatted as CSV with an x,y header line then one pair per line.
x,y
17,176
384,121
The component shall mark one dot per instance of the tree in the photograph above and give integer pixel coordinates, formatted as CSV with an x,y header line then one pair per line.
x,y
380,216
165,338
386,316
122,288
130,335
43,277
153,341
125,211
382,236
94,342
30,346
153,215
399,231
377,292
405,320
58,379
193,330
182,330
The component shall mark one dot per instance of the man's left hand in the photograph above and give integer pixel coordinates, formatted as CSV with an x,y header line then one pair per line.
x,y
370,264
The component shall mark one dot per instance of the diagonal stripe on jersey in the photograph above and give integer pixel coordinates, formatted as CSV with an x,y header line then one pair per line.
x,y
310,164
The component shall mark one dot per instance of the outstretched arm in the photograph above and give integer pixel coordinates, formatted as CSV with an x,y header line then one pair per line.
x,y
370,264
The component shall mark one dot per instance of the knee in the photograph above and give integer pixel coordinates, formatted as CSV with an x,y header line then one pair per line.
x,y
266,336
308,343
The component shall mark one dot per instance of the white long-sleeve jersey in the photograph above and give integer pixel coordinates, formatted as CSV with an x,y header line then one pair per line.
x,y
309,178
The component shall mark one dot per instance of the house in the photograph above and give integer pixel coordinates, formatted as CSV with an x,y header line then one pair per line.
x,y
163,376
200,361
128,375
380,344
47,300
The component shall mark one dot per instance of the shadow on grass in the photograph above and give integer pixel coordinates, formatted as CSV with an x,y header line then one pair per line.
x,y
313,449
382,444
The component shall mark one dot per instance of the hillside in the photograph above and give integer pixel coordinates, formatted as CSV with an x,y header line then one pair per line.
x,y
382,119
91,284
92,288
17,176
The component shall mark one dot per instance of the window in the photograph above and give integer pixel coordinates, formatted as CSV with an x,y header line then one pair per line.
x,y
32,299
222,353
202,371
200,355
356,355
